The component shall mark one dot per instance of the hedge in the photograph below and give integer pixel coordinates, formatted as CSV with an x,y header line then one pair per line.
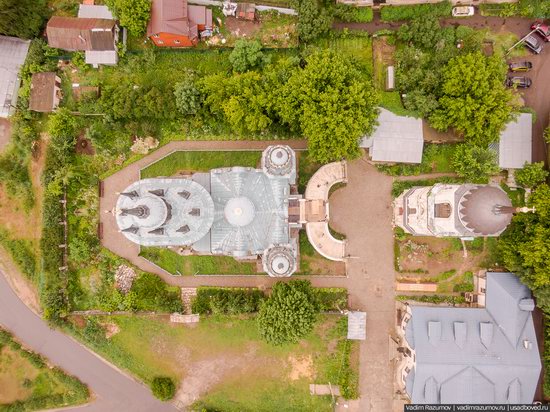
x,y
436,299
409,12
352,14
331,299
211,300
525,8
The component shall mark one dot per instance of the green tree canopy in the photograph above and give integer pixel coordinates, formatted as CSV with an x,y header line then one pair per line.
x,y
289,313
188,96
474,100
531,175
241,100
247,55
163,387
132,14
22,18
475,163
331,103
525,246
314,19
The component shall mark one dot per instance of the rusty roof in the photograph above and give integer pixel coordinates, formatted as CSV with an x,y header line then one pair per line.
x,y
43,92
72,33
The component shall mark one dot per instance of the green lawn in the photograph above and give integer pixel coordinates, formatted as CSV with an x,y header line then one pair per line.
x,y
27,383
198,161
354,46
264,376
392,102
197,265
437,158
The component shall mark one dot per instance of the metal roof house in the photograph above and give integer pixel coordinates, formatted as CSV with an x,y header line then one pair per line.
x,y
13,52
238,211
396,139
472,355
514,148
97,37
447,210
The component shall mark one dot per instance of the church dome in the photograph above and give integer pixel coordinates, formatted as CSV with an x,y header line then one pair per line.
x,y
485,210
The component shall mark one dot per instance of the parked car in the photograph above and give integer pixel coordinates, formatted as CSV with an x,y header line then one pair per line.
x,y
463,11
524,66
542,30
533,44
518,81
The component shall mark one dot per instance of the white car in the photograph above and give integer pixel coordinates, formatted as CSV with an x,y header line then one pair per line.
x,y
463,11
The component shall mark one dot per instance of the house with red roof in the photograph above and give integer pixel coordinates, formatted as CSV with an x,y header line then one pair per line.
x,y
174,23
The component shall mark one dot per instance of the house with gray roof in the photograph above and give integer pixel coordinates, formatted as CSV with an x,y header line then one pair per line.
x,y
13,52
396,139
472,355
514,147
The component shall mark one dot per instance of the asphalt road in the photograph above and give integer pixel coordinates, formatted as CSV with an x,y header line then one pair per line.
x,y
112,390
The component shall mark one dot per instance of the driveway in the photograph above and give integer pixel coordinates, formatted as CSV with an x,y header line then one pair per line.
x,y
537,97
113,390
362,211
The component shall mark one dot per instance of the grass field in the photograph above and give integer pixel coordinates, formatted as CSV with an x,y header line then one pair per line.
x,y
197,265
353,47
436,158
27,383
249,373
189,161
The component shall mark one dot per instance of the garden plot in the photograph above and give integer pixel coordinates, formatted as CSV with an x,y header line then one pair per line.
x,y
441,261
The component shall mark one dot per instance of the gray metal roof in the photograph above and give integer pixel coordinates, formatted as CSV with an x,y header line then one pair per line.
x,y
251,211
13,52
357,325
491,357
516,142
397,139
94,11
96,57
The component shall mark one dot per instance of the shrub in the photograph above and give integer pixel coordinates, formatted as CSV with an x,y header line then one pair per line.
x,y
531,175
331,299
289,313
394,13
231,301
133,14
247,55
475,163
352,14
152,293
188,96
163,388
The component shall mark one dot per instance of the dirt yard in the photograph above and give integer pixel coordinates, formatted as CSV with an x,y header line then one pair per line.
x,y
429,257
382,53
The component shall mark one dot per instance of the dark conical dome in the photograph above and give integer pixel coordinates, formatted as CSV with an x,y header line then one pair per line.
x,y
485,210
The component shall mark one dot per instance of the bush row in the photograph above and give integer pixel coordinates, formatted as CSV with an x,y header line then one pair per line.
x,y
352,14
21,252
436,299
524,8
409,12
230,301
233,301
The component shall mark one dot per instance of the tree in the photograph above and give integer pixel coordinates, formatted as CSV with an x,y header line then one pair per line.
x,y
163,387
475,163
22,18
247,55
314,20
132,14
331,103
188,96
531,175
289,313
425,32
474,100
525,245
241,100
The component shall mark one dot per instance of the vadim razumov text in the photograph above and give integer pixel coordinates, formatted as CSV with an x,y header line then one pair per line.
x,y
476,408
